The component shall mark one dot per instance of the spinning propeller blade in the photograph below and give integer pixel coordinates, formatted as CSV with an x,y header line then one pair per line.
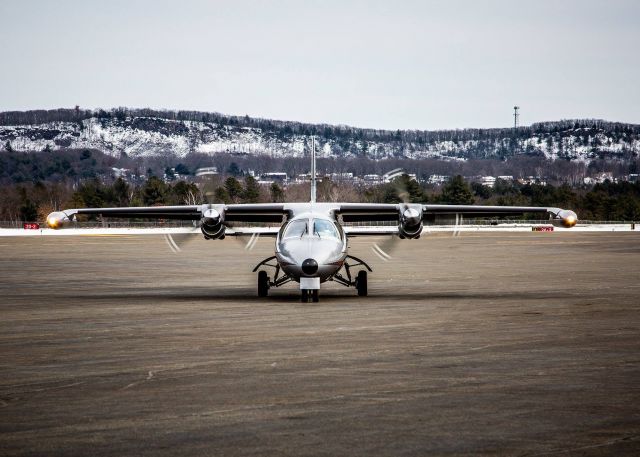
x,y
176,241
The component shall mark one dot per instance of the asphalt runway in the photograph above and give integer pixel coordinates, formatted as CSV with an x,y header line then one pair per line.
x,y
520,344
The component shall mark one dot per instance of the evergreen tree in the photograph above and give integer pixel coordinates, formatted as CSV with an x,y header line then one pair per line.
x,y
28,209
170,175
233,188
90,195
251,193
154,192
221,195
403,189
456,192
185,193
234,170
277,194
121,192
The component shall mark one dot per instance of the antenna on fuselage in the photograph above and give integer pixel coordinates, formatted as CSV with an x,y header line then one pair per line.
x,y
313,169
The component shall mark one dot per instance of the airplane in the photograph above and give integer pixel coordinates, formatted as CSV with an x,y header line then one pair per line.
x,y
311,244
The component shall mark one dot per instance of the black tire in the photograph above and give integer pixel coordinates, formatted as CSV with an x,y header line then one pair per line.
x,y
263,284
304,295
361,283
314,296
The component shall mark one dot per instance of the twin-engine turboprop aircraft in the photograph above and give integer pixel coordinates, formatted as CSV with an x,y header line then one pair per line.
x,y
311,244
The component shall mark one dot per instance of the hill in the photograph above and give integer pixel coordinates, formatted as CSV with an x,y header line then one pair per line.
x,y
124,132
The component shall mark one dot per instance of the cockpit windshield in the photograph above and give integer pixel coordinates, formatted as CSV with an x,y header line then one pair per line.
x,y
296,229
325,229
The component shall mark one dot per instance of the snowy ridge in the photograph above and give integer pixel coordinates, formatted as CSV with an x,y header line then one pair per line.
x,y
137,136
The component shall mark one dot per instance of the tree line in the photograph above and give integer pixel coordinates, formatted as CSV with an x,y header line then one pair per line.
x,y
81,164
30,202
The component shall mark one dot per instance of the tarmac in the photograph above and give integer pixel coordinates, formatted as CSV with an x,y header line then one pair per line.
x,y
511,343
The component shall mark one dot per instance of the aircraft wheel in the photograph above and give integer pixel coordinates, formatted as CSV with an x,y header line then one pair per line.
x,y
361,283
314,295
263,284
304,295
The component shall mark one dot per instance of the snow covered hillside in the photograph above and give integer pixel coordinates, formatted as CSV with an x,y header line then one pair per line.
x,y
142,133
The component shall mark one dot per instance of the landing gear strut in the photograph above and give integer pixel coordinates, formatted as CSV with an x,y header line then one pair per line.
x,y
360,281
308,295
311,295
264,282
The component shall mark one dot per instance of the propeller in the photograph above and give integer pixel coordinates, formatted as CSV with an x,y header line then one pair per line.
x,y
250,243
385,249
176,241
456,228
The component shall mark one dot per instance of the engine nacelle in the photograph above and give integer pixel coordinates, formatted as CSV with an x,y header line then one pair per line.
x,y
57,220
411,222
567,218
211,225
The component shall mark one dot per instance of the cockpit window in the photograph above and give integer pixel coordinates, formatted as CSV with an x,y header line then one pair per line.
x,y
295,229
325,229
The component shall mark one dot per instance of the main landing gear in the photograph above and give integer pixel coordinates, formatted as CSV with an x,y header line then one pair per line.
x,y
343,276
264,282
360,281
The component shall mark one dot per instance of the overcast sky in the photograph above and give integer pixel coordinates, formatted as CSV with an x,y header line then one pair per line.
x,y
388,64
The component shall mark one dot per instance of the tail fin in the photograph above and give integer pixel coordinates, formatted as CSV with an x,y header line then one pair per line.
x,y
313,169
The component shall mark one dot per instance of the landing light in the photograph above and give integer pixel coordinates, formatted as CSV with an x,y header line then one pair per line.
x,y
56,220
568,218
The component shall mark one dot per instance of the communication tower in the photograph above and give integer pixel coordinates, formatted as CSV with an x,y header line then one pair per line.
x,y
516,116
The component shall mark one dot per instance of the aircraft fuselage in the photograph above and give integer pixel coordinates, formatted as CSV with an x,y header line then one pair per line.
x,y
311,245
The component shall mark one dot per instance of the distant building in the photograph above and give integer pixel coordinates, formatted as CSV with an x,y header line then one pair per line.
x,y
532,180
372,179
489,181
393,174
602,177
206,171
277,176
121,172
506,178
171,175
341,177
438,179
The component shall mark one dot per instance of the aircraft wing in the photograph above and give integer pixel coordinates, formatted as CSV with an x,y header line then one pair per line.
x,y
411,216
227,214
487,211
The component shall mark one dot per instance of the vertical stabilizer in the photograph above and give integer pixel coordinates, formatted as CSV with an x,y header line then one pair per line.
x,y
313,169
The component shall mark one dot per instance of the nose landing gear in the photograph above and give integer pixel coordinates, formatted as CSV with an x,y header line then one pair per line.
x,y
309,295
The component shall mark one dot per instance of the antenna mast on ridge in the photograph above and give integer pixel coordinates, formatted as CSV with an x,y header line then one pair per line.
x,y
313,169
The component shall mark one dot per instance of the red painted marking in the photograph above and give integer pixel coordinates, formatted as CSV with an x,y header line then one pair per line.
x,y
543,228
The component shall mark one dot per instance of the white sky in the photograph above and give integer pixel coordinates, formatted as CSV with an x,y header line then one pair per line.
x,y
382,64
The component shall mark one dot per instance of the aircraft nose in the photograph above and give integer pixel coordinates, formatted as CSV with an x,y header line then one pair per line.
x,y
309,266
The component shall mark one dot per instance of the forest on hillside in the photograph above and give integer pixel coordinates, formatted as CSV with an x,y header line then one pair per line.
x,y
586,126
33,201
132,131
77,165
